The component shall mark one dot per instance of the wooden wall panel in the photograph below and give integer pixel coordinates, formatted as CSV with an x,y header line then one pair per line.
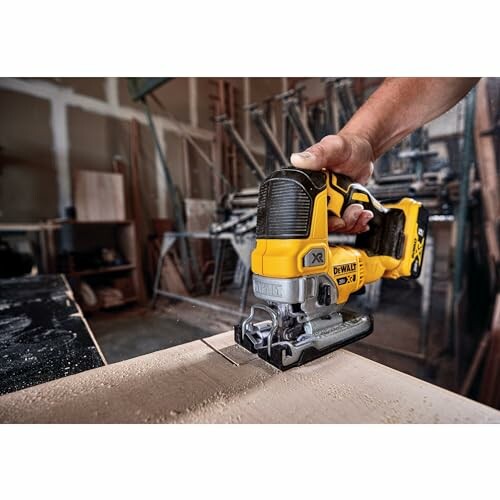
x,y
28,177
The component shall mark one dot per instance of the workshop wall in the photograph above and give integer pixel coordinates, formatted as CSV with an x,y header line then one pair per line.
x,y
204,89
95,139
30,182
92,87
176,163
172,99
28,176
260,89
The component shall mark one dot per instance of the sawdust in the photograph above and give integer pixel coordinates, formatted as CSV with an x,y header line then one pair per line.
x,y
192,383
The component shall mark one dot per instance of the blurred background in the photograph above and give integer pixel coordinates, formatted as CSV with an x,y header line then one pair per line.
x,y
143,193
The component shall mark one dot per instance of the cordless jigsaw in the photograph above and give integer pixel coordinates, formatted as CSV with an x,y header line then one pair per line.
x,y
304,281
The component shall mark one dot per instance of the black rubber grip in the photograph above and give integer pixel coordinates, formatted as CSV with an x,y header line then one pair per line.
x,y
286,202
348,189
386,234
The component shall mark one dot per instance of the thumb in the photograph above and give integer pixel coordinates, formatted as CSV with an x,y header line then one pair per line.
x,y
332,150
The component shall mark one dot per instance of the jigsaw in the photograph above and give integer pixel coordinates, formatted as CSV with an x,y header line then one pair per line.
x,y
304,281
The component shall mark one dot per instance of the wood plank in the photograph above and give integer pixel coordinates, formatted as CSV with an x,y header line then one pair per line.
x,y
22,228
171,279
487,167
200,214
490,382
102,270
137,235
193,383
99,196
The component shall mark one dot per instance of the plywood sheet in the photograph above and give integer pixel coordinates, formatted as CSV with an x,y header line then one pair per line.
x,y
194,383
171,278
99,196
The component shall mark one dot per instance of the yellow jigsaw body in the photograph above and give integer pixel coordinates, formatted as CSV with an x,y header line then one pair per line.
x,y
303,281
349,268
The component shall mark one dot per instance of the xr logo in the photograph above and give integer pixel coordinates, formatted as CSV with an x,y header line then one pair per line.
x,y
314,258
418,249
317,258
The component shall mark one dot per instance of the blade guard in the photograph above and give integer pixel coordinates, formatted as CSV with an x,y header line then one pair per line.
x,y
281,355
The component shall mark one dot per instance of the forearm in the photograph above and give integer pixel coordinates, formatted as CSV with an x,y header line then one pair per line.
x,y
401,105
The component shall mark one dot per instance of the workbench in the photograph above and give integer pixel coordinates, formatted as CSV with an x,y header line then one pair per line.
x,y
43,334
215,381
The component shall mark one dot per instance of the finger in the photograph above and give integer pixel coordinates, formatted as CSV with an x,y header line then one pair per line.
x,y
332,150
361,225
335,224
351,215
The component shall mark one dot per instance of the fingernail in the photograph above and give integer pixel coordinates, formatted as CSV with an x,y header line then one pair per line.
x,y
355,212
305,155
369,216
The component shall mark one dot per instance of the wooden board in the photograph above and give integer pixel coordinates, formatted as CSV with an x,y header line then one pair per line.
x,y
171,279
99,196
487,167
199,215
490,382
43,335
214,381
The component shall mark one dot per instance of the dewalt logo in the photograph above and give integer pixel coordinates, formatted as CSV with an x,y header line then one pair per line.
x,y
344,268
269,289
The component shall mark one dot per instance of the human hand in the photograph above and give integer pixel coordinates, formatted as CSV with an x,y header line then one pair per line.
x,y
347,154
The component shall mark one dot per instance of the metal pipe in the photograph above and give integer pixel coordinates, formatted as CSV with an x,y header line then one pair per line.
x,y
210,163
179,221
461,217
331,101
426,302
242,148
260,123
305,136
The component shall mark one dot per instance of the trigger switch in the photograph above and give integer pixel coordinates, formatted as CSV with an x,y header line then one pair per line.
x,y
324,295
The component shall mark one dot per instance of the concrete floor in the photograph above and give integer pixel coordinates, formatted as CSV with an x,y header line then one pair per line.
x,y
397,325
127,336
130,333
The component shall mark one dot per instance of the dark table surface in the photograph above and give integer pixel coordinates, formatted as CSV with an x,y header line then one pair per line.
x,y
43,335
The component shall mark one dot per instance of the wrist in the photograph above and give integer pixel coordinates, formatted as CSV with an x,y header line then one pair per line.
x,y
361,141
